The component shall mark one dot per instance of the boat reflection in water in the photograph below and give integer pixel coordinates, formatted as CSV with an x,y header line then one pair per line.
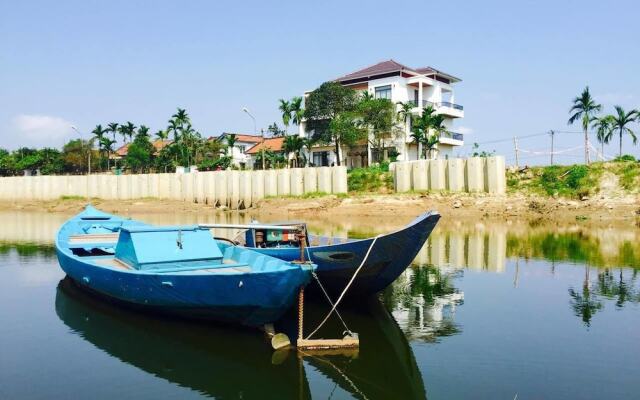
x,y
235,363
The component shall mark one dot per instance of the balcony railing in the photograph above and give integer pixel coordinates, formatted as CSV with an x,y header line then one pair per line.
x,y
452,135
426,103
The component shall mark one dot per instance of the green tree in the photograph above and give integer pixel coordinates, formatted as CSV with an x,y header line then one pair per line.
x,y
428,126
127,131
231,141
7,163
285,109
620,123
107,146
98,134
140,153
604,130
293,145
113,128
162,135
584,109
75,155
297,112
275,130
329,115
378,116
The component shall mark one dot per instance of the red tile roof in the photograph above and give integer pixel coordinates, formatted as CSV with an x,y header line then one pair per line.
x,y
273,144
240,137
157,144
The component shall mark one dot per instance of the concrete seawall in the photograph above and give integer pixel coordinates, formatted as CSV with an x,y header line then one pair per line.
x,y
475,174
234,189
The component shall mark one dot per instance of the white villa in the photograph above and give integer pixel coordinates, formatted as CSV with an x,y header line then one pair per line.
x,y
244,142
398,83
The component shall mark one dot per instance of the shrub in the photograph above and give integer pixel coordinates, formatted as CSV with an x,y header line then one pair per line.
x,y
626,157
370,179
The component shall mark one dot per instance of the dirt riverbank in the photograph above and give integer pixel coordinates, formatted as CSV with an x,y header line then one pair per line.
x,y
621,210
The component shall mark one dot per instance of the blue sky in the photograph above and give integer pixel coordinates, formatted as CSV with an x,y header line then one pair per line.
x,y
90,62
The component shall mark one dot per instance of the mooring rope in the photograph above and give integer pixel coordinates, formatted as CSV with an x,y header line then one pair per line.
x,y
333,308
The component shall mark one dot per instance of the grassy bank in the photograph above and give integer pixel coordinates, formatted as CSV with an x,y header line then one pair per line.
x,y
618,178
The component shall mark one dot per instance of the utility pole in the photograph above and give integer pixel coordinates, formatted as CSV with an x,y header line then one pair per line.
x,y
551,132
515,145
262,149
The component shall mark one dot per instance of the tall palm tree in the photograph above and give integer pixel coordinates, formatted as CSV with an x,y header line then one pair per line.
x,y
620,123
107,146
231,141
143,130
162,135
429,126
174,128
113,128
285,108
418,136
98,134
127,130
293,144
308,143
181,117
604,131
584,108
297,112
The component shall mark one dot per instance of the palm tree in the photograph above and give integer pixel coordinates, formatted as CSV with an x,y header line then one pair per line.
x,y
297,112
174,128
107,146
428,127
231,141
365,96
293,144
285,108
113,128
604,132
418,136
181,117
620,122
162,135
308,143
404,113
585,108
127,130
98,134
143,130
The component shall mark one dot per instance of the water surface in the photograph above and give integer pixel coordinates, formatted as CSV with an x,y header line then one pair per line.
x,y
487,310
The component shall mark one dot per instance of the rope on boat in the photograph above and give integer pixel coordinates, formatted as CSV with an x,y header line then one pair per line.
x,y
333,308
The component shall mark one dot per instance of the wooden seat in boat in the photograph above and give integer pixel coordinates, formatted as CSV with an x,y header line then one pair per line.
x,y
94,238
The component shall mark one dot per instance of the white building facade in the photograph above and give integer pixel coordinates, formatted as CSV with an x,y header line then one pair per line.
x,y
391,80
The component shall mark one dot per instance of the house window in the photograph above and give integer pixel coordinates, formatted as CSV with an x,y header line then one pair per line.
x,y
242,148
383,92
321,159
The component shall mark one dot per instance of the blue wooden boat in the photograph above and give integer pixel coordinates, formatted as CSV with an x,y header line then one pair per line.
x,y
181,270
385,257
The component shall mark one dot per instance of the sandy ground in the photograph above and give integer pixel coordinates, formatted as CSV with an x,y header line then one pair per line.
x,y
618,210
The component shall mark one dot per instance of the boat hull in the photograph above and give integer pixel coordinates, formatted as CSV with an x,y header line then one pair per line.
x,y
390,255
247,299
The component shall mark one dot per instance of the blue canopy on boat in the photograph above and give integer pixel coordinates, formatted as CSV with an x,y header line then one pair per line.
x,y
154,247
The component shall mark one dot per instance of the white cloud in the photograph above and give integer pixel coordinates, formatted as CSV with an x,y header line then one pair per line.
x,y
41,130
465,130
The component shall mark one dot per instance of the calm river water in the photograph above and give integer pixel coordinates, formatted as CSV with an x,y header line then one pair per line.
x,y
487,311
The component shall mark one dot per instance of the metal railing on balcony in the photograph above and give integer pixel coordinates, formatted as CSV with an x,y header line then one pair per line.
x,y
426,103
452,135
